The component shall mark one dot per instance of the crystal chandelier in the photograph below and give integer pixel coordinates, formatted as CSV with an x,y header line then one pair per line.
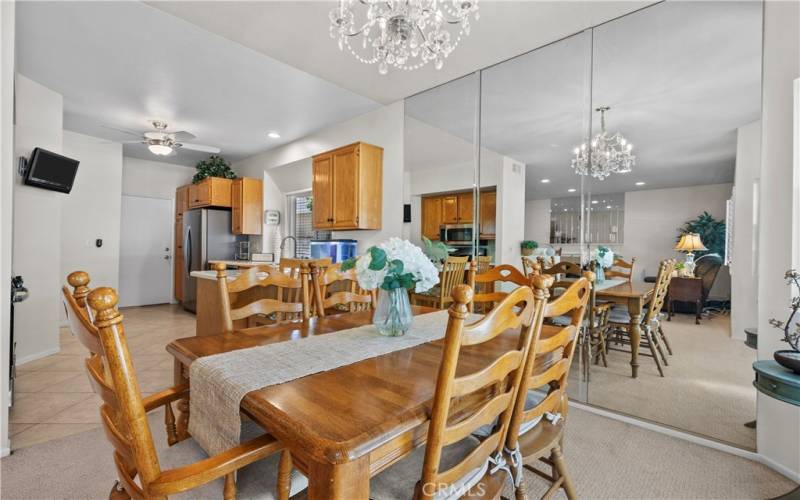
x,y
607,154
406,34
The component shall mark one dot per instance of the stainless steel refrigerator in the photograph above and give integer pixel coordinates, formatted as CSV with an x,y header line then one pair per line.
x,y
207,236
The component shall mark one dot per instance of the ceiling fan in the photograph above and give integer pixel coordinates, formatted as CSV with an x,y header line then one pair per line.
x,y
162,143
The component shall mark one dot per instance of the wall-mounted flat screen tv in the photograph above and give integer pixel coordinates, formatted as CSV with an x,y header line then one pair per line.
x,y
50,170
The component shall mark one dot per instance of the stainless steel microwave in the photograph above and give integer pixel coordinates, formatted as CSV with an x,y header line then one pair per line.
x,y
455,234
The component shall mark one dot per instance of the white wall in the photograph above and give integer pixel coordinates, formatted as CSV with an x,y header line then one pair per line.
x,y
382,127
37,224
537,221
744,266
153,179
778,432
92,211
7,17
510,206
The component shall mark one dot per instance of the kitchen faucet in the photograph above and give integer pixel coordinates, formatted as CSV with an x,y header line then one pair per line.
x,y
294,248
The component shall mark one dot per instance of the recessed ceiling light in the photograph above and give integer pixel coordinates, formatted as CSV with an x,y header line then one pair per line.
x,y
545,181
571,190
640,183
608,206
274,135
594,202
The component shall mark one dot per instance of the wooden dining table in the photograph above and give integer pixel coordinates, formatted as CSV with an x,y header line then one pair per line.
x,y
344,425
634,296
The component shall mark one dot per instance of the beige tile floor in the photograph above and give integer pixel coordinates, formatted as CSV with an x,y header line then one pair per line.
x,y
53,396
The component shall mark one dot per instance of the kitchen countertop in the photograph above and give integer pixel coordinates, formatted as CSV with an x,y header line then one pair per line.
x,y
242,263
212,275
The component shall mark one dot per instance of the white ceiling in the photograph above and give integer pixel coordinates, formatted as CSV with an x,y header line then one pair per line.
x,y
124,63
297,34
680,78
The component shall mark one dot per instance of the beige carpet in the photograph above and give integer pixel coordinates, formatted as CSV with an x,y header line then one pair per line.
x,y
707,388
608,459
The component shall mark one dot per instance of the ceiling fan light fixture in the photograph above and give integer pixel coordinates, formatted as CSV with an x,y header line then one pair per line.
x,y
159,149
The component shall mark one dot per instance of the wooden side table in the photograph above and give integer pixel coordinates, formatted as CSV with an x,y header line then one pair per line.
x,y
686,290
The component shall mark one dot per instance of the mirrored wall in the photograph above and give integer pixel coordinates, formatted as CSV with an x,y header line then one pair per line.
x,y
605,147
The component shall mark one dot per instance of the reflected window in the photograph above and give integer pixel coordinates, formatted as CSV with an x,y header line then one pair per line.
x,y
605,219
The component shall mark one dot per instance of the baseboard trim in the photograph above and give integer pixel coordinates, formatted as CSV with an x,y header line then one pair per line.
x,y
37,355
5,451
780,469
709,443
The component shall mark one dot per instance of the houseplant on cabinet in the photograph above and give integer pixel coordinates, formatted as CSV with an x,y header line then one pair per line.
x,y
528,246
214,166
394,266
790,358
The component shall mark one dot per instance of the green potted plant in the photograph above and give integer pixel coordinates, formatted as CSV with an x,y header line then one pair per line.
x,y
214,166
528,246
711,231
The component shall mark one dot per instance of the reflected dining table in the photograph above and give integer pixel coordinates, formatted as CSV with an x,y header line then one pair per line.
x,y
634,296
347,424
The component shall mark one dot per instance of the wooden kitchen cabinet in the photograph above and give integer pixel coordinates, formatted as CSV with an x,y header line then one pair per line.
x,y
181,200
347,186
210,192
488,214
431,217
465,208
450,209
246,205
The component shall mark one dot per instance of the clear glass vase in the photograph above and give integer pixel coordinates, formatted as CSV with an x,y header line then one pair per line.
x,y
600,273
392,315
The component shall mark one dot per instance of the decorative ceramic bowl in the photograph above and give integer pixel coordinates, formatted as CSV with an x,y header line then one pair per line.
x,y
788,359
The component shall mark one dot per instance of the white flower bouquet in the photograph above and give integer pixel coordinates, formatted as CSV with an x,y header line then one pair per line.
x,y
394,266
603,256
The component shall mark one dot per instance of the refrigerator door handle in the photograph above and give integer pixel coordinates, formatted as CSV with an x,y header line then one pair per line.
x,y
187,250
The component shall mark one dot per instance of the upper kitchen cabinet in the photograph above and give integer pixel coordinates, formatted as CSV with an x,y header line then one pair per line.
x,y
210,192
181,200
487,215
347,186
431,216
246,205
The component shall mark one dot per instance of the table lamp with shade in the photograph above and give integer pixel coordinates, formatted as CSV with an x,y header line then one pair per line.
x,y
690,243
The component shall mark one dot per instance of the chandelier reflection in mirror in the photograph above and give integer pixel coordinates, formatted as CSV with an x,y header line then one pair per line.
x,y
406,34
607,154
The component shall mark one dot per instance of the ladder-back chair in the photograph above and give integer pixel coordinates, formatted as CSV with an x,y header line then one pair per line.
x,y
652,333
334,288
124,413
564,269
621,269
546,373
263,277
453,271
455,464
487,283
532,266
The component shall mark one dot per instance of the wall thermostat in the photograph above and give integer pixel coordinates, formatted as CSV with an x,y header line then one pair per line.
x,y
272,217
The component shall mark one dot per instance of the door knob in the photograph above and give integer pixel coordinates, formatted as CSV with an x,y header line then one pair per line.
x,y
166,257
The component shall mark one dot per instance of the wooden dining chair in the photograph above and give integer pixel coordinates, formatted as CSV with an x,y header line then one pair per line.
x,y
487,283
79,281
563,269
539,418
439,296
592,334
455,464
531,265
262,276
124,419
652,333
337,289
621,269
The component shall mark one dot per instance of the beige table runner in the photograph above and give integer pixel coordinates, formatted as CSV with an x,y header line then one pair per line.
x,y
219,382
600,286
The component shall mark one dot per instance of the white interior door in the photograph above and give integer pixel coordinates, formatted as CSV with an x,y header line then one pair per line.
x,y
145,264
